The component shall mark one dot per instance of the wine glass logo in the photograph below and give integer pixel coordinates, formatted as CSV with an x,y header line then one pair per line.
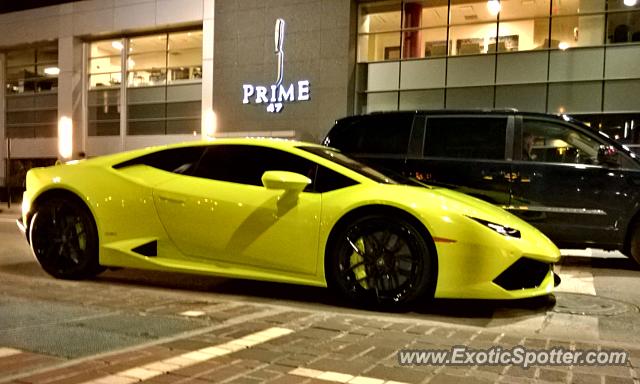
x,y
279,51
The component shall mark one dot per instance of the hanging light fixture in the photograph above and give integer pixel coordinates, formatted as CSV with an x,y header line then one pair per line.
x,y
494,7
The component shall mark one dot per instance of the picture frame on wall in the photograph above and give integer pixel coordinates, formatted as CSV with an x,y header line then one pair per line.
x,y
392,53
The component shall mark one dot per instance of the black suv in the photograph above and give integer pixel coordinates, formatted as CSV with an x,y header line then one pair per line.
x,y
575,184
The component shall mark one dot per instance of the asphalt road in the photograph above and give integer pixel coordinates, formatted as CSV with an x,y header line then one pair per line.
x,y
598,301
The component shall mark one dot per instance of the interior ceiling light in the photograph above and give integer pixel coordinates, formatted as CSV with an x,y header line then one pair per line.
x,y
494,6
630,3
52,71
563,45
117,45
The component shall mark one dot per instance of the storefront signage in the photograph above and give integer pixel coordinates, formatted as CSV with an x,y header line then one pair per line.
x,y
276,95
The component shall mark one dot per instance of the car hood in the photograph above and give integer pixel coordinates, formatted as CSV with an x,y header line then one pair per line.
x,y
449,202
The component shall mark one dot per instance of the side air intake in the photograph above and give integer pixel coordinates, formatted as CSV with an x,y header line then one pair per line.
x,y
149,249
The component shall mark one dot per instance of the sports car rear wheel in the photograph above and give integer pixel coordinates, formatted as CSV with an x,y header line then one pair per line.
x,y
381,260
64,239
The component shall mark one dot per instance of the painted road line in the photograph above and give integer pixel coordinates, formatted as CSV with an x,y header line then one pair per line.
x,y
192,313
337,377
157,368
5,352
575,280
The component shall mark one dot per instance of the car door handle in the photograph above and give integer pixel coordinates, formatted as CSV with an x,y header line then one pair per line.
x,y
171,200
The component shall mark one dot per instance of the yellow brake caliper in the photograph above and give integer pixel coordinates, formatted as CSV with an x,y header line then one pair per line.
x,y
360,271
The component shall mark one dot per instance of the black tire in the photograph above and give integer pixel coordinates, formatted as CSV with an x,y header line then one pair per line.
x,y
64,239
382,261
634,243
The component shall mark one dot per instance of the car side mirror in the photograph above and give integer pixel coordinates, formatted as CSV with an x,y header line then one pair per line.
x,y
608,155
289,181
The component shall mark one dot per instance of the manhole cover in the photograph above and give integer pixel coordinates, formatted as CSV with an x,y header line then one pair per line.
x,y
580,304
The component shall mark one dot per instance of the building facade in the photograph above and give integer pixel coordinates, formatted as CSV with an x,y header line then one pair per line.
x,y
92,77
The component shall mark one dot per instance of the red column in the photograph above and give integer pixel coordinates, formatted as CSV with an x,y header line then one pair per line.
x,y
411,39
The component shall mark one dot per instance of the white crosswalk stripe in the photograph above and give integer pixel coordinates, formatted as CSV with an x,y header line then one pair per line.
x,y
157,368
4,352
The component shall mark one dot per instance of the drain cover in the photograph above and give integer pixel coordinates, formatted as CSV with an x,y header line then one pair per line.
x,y
580,304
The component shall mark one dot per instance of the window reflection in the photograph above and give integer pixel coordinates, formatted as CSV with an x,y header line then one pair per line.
x,y
414,29
162,73
623,27
31,84
576,31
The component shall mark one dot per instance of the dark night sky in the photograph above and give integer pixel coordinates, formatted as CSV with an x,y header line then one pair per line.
x,y
7,6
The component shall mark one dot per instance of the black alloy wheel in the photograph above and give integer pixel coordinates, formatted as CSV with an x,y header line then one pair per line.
x,y
64,239
382,261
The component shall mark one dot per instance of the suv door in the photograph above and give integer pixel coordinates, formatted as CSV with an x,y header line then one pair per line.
x,y
466,153
561,188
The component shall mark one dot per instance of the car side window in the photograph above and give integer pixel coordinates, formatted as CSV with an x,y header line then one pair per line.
x,y
466,137
548,142
245,164
374,134
328,180
177,160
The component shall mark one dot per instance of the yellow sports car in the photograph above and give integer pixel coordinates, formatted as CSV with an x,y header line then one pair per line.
x,y
280,210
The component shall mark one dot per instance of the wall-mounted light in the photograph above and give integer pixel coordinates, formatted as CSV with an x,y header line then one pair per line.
x,y
563,45
494,7
209,124
52,71
117,45
65,137
630,3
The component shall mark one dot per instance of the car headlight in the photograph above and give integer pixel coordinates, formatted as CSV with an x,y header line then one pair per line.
x,y
501,229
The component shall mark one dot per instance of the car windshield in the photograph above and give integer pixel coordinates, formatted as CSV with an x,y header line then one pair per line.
x,y
386,177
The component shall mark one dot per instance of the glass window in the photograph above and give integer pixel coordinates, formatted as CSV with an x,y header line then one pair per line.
x,y
245,164
462,137
154,43
576,31
521,35
378,134
623,27
105,77
163,83
328,180
574,7
176,160
31,91
473,27
513,10
547,142
379,46
379,17
574,97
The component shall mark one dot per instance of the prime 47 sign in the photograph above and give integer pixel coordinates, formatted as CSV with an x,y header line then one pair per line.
x,y
275,95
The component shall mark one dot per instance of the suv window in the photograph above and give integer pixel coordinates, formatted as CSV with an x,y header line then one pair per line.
x,y
379,134
245,164
466,137
176,160
549,142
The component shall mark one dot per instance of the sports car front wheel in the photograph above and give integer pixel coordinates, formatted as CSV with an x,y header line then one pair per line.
x,y
64,239
381,260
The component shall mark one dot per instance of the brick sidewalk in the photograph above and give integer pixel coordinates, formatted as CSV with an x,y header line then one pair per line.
x,y
322,347
336,348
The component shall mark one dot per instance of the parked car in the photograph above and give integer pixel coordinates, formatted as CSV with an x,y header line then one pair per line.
x,y
282,211
574,183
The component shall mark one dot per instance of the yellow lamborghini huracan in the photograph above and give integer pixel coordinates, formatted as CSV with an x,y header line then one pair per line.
x,y
283,211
